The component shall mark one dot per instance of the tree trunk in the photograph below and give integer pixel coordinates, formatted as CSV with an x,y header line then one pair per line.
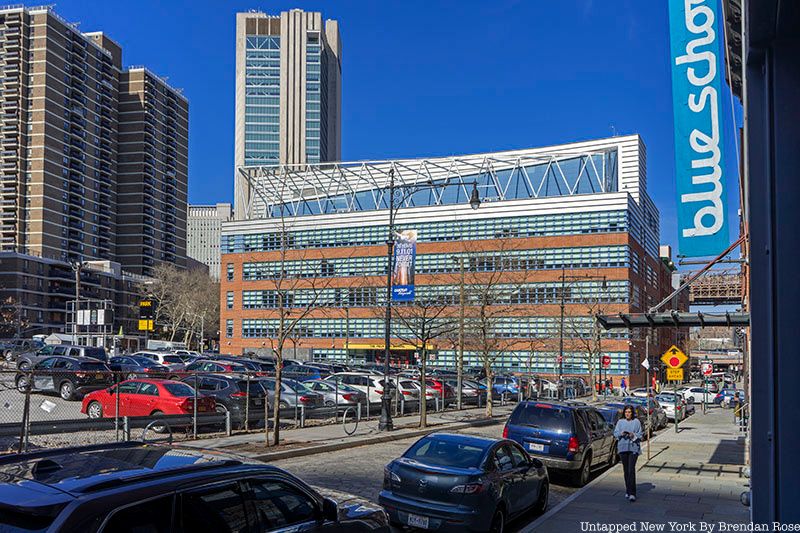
x,y
276,407
591,377
423,401
489,386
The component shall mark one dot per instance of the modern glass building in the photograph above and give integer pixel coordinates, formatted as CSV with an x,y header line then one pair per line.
x,y
567,225
288,92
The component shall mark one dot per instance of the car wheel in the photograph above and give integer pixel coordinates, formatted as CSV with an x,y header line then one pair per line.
x,y
498,522
159,428
131,376
22,384
541,502
94,410
283,405
67,390
330,403
24,365
582,475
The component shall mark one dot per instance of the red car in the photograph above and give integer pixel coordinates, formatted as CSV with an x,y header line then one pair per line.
x,y
145,397
443,388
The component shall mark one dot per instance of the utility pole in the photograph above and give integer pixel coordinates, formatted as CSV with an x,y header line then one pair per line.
x,y
561,338
460,376
385,422
77,266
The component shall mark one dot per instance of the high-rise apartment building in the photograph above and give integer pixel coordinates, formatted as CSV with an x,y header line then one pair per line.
x,y
153,172
93,165
203,230
288,93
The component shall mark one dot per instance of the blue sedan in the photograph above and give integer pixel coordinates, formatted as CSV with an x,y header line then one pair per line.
x,y
450,482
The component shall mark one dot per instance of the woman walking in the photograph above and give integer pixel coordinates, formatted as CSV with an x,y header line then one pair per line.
x,y
628,433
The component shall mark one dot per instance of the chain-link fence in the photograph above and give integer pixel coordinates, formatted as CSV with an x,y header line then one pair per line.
x,y
57,407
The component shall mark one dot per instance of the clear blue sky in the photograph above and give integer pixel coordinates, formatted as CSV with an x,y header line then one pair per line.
x,y
431,78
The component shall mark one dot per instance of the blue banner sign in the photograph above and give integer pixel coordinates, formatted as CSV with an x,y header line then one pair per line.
x,y
699,161
405,254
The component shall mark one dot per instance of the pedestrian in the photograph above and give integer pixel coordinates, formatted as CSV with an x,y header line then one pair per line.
x,y
623,386
628,433
610,386
737,407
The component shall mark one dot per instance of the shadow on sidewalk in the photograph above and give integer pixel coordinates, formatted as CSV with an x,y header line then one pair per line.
x,y
729,452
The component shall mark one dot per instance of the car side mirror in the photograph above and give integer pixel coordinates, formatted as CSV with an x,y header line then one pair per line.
x,y
536,462
330,510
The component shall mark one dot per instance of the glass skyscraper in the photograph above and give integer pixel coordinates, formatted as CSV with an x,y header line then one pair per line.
x,y
288,93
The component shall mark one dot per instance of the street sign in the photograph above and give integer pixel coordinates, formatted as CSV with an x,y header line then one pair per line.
x,y
145,325
674,357
707,369
606,360
674,374
646,364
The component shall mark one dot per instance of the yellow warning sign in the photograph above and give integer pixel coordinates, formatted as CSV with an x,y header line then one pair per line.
x,y
145,325
674,357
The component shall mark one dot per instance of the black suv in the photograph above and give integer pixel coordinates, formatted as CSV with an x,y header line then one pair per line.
x,y
231,394
132,486
70,377
567,436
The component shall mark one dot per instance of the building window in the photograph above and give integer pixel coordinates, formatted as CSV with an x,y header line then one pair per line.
x,y
230,271
229,328
229,299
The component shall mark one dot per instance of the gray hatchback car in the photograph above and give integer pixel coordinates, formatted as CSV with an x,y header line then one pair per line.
x,y
28,360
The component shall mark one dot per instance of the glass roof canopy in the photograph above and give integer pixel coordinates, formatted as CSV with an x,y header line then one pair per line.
x,y
301,190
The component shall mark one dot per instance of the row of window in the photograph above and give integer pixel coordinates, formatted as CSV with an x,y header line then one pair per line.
x,y
434,231
591,257
528,294
517,327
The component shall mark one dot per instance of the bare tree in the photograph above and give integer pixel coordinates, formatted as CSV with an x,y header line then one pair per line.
x,y
12,319
585,345
423,321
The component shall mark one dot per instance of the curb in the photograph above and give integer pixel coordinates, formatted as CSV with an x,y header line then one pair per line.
x,y
336,446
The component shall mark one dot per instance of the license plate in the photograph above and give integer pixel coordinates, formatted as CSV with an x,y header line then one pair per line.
x,y
418,521
535,447
98,376
257,402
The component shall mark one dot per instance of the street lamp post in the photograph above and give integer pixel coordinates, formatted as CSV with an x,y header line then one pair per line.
x,y
77,266
385,421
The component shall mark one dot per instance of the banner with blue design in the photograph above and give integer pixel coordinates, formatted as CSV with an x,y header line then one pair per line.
x,y
405,254
697,109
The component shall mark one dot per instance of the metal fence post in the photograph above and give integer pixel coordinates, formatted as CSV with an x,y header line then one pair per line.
x,y
126,428
369,402
228,423
194,409
336,400
295,407
23,431
302,416
247,403
116,406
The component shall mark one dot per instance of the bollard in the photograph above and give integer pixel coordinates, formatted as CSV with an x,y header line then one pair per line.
x,y
126,428
194,409
228,423
336,401
302,416
296,402
369,402
436,403
247,403
402,406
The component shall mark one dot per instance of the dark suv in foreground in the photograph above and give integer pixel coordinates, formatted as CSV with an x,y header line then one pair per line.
x,y
131,487
566,436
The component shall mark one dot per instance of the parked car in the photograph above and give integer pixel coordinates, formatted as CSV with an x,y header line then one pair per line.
x,y
431,394
612,411
221,366
445,391
673,406
303,372
697,394
503,385
641,392
70,377
470,390
231,394
577,384
570,437
407,389
27,360
293,394
11,348
336,395
329,368
145,397
171,360
252,366
133,486
134,366
370,384
657,412
725,397
452,482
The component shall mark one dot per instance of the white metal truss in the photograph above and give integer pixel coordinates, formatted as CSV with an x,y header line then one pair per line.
x,y
308,189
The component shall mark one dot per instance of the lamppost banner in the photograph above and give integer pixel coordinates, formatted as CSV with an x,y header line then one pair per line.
x,y
697,110
405,254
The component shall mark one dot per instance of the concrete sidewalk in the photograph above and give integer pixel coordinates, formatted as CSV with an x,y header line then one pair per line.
x,y
320,439
693,476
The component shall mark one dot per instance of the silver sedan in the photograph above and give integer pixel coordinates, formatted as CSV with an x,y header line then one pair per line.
x,y
346,395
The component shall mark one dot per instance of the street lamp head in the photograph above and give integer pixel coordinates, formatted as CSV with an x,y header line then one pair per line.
x,y
475,199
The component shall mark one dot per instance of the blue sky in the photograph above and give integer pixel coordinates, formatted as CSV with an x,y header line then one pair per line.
x,y
431,78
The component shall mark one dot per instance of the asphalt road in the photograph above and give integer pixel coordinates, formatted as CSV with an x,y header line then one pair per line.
x,y
359,471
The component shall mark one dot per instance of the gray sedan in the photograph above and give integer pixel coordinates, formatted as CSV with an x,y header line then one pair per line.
x,y
343,395
293,394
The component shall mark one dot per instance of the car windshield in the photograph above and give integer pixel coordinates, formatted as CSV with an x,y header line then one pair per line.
x,y
445,452
179,389
94,367
97,353
296,386
542,416
172,359
665,399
